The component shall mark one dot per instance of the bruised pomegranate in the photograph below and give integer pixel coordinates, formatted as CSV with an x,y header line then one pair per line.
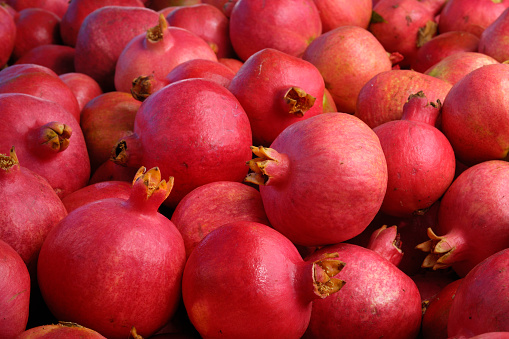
x,y
115,264
59,58
97,191
273,294
7,35
494,39
336,164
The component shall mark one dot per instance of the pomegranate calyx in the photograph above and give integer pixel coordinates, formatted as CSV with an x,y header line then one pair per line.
x,y
427,32
55,136
152,181
135,334
9,161
258,165
439,251
156,33
119,153
324,272
142,87
298,101
69,324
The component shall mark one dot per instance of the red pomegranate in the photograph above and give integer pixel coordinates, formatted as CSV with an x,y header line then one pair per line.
x,y
329,106
347,55
48,140
97,191
273,295
471,219
233,64
83,86
115,264
202,68
480,303
58,58
159,5
475,136
373,302
60,330
303,161
212,205
213,146
109,171
276,90
334,14
494,39
157,52
285,25
386,241
55,6
7,35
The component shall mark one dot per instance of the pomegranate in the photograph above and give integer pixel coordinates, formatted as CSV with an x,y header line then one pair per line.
x,y
57,7
471,16
328,102
104,120
475,136
418,108
480,304
202,68
159,5
97,191
78,10
14,292
7,35
157,52
276,90
286,25
41,133
441,46
83,86
109,171
454,67
214,204
115,264
58,58
60,330
334,14
347,55
472,218
41,82
274,293
102,37
494,39
386,242
431,282
376,296
30,209
233,64
382,98
214,145
207,22
335,147
35,27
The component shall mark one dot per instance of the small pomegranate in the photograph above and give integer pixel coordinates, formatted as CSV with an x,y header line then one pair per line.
x,y
83,86
58,58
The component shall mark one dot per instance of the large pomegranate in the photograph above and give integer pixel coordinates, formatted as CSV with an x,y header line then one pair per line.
x,y
270,299
97,191
322,180
115,264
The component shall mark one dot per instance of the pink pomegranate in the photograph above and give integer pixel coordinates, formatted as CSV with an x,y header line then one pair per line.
x,y
480,304
212,205
41,82
213,146
157,52
7,35
60,330
333,147
14,292
104,120
42,132
382,98
233,64
471,219
97,191
454,67
386,241
274,293
35,27
84,87
471,16
419,108
373,302
347,55
207,22
115,264
78,10
475,136
276,90
202,68
30,209
59,58
494,39
55,6
334,14
441,46
285,25
116,25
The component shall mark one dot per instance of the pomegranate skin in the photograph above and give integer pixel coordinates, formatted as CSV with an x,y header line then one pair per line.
x,y
83,86
273,294
480,303
97,191
214,146
347,54
60,331
202,68
494,39
475,136
347,157
334,14
103,36
276,90
212,205
58,58
287,25
58,7
7,35
115,264
376,296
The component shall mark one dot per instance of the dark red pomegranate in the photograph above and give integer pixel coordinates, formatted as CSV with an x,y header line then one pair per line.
x,y
83,86
115,264
58,58
97,191
273,294
7,35
55,6
109,171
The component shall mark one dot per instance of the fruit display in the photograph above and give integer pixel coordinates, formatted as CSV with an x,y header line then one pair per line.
x,y
187,169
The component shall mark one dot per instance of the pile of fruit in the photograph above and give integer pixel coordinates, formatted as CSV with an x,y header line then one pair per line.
x,y
254,169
